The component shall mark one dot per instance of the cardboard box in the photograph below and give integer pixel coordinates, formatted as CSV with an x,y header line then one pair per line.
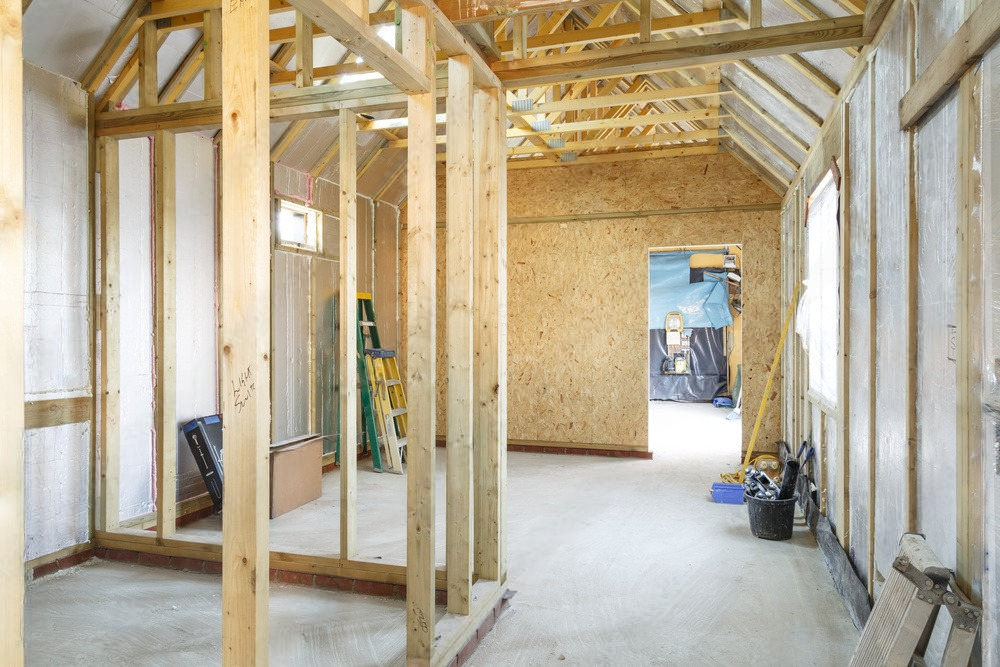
x,y
296,475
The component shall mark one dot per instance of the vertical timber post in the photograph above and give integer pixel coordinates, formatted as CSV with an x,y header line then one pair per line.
x,y
245,337
110,319
418,40
12,334
460,189
348,334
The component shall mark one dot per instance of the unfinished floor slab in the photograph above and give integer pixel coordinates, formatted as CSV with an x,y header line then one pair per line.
x,y
616,561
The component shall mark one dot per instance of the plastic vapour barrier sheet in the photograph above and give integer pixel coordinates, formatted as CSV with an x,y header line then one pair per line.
x,y
704,304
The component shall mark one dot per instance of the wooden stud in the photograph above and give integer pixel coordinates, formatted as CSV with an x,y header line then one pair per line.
x,y
12,333
110,322
348,335
212,47
303,51
165,330
113,49
756,13
520,37
843,462
645,20
460,189
418,36
149,92
969,315
490,387
245,333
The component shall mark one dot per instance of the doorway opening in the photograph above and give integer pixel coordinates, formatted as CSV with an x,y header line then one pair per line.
x,y
695,349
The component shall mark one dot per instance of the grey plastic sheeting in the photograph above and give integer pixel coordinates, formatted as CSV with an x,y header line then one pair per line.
x,y
859,336
136,356
991,354
290,345
796,84
793,120
937,208
196,369
891,365
57,316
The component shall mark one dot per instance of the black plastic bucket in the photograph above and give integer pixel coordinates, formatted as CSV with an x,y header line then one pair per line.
x,y
771,519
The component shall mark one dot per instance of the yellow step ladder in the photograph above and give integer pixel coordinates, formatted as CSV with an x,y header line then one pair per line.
x,y
384,379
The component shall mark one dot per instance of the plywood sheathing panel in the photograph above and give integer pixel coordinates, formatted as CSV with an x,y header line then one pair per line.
x,y
577,323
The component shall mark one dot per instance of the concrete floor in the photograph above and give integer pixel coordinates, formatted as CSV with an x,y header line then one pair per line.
x,y
616,562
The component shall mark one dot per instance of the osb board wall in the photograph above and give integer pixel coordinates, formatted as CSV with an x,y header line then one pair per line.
x,y
578,293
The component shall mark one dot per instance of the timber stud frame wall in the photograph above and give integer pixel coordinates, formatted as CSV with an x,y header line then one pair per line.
x,y
236,64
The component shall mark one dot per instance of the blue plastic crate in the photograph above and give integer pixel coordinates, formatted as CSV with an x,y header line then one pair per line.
x,y
730,494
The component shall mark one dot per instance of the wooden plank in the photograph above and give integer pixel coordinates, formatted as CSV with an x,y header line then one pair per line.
x,y
645,20
767,116
765,140
628,121
713,49
458,260
775,89
348,334
629,141
12,333
165,330
969,316
212,39
601,101
57,412
149,91
756,14
354,33
706,148
519,45
489,211
962,51
418,35
843,462
111,52
110,324
473,11
303,51
244,298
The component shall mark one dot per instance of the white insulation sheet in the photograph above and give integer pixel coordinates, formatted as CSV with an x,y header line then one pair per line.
x,y
197,368
136,359
991,354
937,211
57,317
859,333
891,366
937,21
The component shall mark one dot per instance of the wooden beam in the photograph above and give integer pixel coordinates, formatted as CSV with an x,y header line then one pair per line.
x,y
458,263
113,49
149,91
963,50
628,141
165,330
463,11
630,121
354,33
519,45
645,20
760,160
165,9
705,148
212,39
244,340
609,33
418,39
110,323
57,412
348,335
685,52
767,116
600,101
756,13
12,333
490,397
754,166
765,140
182,77
303,51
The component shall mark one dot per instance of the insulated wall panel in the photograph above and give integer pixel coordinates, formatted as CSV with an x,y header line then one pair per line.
x,y
136,355
859,333
57,238
892,335
326,291
937,21
57,353
57,485
937,211
197,377
290,343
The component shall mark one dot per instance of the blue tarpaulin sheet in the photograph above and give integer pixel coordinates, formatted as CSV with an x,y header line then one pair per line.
x,y
703,305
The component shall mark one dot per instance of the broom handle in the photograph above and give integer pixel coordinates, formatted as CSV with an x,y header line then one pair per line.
x,y
789,314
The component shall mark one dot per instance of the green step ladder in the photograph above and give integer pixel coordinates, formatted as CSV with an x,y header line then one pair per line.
x,y
370,439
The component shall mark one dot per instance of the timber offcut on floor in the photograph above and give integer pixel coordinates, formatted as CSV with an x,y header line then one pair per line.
x,y
616,561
